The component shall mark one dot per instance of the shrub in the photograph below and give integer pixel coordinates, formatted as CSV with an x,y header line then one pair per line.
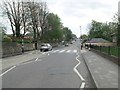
x,y
7,39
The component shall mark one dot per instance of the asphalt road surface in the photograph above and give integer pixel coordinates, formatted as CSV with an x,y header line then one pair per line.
x,y
60,68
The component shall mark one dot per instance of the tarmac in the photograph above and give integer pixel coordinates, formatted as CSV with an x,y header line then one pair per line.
x,y
14,60
104,72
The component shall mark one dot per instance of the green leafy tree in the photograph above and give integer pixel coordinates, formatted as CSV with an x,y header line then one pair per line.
x,y
102,30
2,32
84,38
67,33
54,32
95,30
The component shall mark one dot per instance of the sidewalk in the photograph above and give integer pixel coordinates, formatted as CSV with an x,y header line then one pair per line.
x,y
103,71
14,60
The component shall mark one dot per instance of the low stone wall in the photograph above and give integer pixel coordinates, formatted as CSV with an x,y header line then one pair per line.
x,y
13,48
10,49
29,47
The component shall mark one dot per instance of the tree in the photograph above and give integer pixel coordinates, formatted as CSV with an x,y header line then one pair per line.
x,y
102,30
116,19
2,31
67,33
84,38
54,31
95,30
13,12
38,13
118,33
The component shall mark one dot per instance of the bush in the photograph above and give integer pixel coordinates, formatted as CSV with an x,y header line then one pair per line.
x,y
7,39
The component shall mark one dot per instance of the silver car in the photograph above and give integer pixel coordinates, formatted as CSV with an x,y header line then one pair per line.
x,y
45,47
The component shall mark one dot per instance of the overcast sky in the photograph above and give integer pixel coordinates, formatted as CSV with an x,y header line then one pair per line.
x,y
76,13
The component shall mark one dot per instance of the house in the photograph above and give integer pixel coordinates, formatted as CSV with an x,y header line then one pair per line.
x,y
99,42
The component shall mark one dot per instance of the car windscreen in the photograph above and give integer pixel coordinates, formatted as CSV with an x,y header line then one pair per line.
x,y
43,45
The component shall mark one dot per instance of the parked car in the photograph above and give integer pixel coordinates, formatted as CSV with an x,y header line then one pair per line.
x,y
71,42
45,47
66,44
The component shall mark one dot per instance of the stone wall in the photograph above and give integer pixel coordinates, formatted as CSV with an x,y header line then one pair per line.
x,y
29,47
13,48
10,49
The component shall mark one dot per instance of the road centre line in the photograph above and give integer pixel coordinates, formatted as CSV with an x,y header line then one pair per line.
x,y
7,71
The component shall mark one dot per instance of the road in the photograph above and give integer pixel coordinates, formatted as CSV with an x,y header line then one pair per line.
x,y
60,68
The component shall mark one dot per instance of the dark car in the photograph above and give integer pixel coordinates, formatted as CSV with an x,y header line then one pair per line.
x,y
66,44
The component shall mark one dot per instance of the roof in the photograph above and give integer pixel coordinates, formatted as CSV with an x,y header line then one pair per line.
x,y
97,40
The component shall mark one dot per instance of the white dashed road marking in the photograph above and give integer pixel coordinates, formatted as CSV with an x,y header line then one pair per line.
x,y
68,51
64,51
61,51
55,51
75,51
7,71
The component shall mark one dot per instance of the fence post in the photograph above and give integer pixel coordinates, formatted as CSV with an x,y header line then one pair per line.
x,y
100,48
108,50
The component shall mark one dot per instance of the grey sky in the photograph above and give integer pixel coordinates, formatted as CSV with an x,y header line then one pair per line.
x,y
76,13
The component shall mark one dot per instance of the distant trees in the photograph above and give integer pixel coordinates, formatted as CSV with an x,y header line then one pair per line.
x,y
84,38
54,30
102,30
2,30
33,18
118,31
25,16
67,33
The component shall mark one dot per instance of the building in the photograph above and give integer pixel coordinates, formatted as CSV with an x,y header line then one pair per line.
x,y
99,42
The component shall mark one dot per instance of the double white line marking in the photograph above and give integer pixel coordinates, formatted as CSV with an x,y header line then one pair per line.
x,y
80,76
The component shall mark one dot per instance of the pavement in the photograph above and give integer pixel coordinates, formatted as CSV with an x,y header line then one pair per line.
x,y
26,56
103,71
14,60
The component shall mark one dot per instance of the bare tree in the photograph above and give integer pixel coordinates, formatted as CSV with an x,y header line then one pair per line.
x,y
39,13
23,15
17,15
43,13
